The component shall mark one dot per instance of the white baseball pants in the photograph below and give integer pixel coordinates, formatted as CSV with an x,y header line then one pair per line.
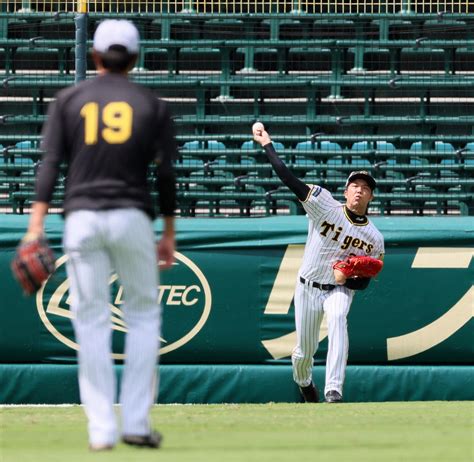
x,y
96,243
310,305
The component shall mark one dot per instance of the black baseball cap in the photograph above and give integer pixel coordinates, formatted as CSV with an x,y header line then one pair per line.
x,y
361,175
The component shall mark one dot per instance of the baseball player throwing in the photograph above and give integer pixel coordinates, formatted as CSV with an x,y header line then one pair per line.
x,y
337,234
107,131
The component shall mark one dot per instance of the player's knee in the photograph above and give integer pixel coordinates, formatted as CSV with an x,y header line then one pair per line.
x,y
301,354
143,300
337,318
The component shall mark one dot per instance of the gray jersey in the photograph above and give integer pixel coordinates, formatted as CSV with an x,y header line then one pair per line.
x,y
334,233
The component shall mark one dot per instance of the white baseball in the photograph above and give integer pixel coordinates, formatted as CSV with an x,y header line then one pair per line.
x,y
258,128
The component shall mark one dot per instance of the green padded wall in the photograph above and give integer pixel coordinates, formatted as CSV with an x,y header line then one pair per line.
x,y
197,383
228,302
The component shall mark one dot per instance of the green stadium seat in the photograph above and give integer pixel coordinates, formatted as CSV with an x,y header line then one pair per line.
x,y
305,59
193,145
335,168
195,57
442,147
4,159
362,146
223,29
159,59
57,28
318,152
23,28
383,146
463,59
242,162
184,165
261,158
329,146
360,163
335,162
253,28
270,58
446,171
307,153
405,29
338,29
190,161
297,29
445,28
183,29
24,158
294,58
342,59
250,146
469,150
215,145
152,30
415,159
306,146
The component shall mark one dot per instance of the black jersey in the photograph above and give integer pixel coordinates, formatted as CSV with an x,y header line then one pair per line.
x,y
108,130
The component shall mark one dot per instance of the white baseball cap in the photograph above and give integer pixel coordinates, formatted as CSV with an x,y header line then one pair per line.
x,y
116,32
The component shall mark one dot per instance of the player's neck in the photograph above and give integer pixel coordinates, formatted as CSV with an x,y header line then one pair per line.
x,y
103,71
355,214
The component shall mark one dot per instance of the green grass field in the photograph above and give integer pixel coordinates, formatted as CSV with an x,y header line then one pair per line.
x,y
409,431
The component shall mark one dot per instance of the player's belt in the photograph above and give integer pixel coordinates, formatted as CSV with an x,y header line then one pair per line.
x,y
317,284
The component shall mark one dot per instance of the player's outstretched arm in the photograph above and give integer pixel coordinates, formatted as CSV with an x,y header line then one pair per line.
x,y
297,186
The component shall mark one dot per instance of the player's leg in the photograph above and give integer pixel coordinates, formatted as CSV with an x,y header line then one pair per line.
x,y
308,317
88,270
132,249
336,305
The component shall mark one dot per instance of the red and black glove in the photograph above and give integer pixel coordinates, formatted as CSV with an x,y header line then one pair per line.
x,y
33,263
364,267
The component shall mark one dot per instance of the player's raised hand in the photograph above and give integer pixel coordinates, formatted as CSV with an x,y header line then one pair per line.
x,y
260,135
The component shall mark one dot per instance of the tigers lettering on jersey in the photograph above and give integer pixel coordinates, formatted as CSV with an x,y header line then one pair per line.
x,y
334,234
347,241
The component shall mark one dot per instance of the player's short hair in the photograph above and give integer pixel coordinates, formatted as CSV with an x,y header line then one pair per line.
x,y
117,59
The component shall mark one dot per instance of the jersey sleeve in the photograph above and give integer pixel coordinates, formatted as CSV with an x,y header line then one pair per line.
x,y
54,146
380,248
318,202
166,147
166,153
294,184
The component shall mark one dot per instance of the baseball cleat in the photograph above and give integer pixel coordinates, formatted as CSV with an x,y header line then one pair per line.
x,y
333,396
100,447
310,393
153,440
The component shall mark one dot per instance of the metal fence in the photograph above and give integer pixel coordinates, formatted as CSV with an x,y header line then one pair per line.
x,y
243,6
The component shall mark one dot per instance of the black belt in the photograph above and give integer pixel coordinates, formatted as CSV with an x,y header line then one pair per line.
x,y
317,284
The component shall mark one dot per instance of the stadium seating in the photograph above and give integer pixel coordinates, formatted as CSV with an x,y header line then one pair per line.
x,y
388,93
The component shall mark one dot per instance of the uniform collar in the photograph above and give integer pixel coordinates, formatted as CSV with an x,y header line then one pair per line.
x,y
358,220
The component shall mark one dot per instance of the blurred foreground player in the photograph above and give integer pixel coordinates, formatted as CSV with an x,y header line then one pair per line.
x,y
107,131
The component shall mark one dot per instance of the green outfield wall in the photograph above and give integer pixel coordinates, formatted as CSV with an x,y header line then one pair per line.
x,y
228,301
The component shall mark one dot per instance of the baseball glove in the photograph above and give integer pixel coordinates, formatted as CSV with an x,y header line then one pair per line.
x,y
33,263
365,267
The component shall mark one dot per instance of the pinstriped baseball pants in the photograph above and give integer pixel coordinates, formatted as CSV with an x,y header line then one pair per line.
x,y
96,243
310,305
